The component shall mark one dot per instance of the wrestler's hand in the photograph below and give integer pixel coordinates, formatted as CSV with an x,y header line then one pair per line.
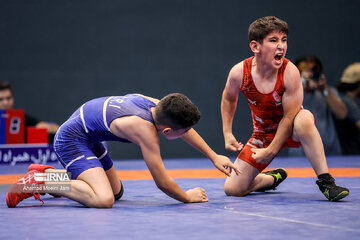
x,y
261,155
196,195
231,143
225,165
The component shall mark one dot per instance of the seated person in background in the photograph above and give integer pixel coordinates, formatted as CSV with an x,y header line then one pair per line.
x,y
324,103
7,102
349,127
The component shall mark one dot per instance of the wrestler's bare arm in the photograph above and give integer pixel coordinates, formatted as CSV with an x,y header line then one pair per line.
x,y
228,106
144,134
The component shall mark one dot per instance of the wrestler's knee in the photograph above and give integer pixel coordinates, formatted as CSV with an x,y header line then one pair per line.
x,y
106,201
232,189
304,122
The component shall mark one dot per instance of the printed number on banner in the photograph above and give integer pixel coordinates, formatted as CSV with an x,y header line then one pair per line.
x,y
15,125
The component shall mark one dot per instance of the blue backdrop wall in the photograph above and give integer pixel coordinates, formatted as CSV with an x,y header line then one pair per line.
x,y
58,54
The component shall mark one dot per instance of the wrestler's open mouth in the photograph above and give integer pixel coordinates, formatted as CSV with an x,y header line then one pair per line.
x,y
278,56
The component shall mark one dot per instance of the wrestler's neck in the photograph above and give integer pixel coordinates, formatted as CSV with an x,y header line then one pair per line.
x,y
263,70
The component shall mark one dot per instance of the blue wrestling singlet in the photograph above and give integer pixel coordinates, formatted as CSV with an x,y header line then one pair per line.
x,y
78,140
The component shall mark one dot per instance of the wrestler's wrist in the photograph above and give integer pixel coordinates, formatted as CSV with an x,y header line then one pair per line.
x,y
228,134
213,157
271,152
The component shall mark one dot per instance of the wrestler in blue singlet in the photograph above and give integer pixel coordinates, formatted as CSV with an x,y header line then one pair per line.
x,y
78,141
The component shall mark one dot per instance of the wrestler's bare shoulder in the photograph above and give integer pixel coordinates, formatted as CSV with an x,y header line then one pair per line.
x,y
133,128
236,72
292,74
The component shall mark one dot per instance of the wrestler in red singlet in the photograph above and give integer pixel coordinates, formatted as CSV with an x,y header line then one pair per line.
x,y
267,112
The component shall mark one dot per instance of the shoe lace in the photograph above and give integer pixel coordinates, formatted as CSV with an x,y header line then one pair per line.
x,y
27,195
37,197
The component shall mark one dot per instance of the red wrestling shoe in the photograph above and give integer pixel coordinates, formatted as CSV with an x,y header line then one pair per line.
x,y
39,167
42,168
13,198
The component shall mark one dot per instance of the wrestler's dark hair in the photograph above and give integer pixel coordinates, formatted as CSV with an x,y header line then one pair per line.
x,y
5,85
261,27
176,111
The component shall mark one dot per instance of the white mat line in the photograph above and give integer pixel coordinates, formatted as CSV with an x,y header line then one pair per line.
x,y
287,219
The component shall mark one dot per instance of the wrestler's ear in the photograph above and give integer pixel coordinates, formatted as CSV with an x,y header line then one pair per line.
x,y
166,130
255,46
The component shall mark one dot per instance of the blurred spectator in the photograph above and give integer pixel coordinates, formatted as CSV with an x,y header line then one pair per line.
x,y
7,102
349,127
323,101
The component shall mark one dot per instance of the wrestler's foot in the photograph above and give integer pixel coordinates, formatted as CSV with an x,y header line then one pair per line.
x,y
14,198
279,176
328,187
42,168
39,167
